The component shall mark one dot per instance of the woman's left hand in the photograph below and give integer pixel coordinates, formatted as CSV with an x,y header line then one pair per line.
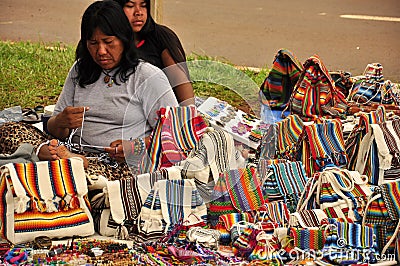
x,y
119,149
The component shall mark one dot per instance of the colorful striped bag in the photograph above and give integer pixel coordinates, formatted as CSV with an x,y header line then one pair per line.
x,y
321,145
278,85
237,190
47,198
315,94
353,141
338,192
177,132
281,139
380,152
382,213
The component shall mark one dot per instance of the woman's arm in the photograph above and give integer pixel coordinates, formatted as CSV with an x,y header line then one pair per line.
x,y
178,78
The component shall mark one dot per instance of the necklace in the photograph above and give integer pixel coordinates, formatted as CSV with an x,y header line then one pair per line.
x,y
107,78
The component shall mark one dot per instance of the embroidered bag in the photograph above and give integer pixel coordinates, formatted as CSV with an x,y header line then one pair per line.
x,y
47,198
235,191
320,145
315,94
278,85
177,132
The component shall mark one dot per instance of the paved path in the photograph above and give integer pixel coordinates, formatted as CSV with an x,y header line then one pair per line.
x,y
243,32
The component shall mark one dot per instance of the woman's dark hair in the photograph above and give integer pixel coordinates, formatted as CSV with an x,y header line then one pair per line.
x,y
160,34
110,18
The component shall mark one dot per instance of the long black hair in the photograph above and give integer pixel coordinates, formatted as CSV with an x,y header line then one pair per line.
x,y
160,33
110,18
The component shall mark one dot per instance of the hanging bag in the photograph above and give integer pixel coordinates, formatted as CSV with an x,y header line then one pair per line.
x,y
46,198
315,94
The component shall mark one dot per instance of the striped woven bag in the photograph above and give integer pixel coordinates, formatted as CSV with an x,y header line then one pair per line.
x,y
278,85
349,243
382,213
315,94
177,132
353,141
237,190
322,145
46,197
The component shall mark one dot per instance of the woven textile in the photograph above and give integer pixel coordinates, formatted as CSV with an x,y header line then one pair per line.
x,y
322,145
349,243
291,179
382,213
338,192
226,222
278,85
280,140
379,151
177,132
308,239
315,94
276,212
308,218
48,196
235,191
214,152
352,143
169,203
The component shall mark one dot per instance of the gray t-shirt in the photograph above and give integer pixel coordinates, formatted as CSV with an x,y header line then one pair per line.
x,y
124,111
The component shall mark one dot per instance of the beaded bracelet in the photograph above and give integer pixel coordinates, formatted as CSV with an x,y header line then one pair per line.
x,y
138,146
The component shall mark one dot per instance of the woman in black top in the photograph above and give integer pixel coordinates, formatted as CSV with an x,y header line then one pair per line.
x,y
160,46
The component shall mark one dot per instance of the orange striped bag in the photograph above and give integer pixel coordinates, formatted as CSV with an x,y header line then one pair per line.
x,y
315,94
47,198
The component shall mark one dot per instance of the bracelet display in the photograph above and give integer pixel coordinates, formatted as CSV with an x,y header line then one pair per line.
x,y
138,146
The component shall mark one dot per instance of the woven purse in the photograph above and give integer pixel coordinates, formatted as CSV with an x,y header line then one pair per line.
x,y
290,178
235,191
47,198
278,85
315,94
383,213
371,87
322,145
349,243
177,132
169,203
338,192
353,141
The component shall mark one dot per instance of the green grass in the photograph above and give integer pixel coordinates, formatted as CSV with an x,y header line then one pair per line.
x,y
33,74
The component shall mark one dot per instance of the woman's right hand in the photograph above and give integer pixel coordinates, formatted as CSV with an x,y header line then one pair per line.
x,y
71,117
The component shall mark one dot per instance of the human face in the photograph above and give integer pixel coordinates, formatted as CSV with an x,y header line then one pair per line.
x,y
105,50
136,11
